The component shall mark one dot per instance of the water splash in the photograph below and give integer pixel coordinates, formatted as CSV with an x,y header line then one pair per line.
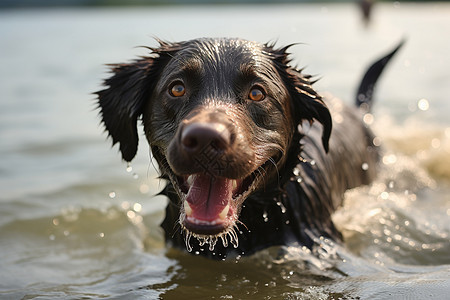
x,y
227,237
187,241
224,240
233,237
212,243
211,240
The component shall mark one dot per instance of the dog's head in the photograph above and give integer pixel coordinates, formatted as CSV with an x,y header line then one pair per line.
x,y
219,115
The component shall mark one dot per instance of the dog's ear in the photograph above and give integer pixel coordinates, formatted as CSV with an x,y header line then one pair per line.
x,y
123,101
307,104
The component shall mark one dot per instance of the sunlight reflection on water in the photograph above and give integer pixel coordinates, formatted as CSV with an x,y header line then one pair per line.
x,y
76,222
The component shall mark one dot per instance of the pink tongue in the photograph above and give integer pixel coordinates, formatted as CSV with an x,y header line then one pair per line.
x,y
208,196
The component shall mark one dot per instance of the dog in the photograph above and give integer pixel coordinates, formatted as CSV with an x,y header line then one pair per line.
x,y
254,157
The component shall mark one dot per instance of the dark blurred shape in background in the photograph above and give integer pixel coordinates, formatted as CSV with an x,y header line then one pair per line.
x,y
366,10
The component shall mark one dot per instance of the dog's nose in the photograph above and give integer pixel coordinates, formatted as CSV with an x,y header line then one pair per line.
x,y
198,137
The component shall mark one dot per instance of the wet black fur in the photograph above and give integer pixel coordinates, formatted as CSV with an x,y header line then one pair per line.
x,y
298,197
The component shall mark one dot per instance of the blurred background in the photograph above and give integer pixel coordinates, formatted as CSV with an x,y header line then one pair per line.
x,y
77,222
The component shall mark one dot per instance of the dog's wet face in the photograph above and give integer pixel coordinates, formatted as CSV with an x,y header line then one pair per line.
x,y
218,124
221,119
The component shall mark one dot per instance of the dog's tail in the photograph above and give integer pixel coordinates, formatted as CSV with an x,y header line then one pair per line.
x,y
366,88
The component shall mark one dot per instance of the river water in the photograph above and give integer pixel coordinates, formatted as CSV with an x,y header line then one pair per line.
x,y
76,222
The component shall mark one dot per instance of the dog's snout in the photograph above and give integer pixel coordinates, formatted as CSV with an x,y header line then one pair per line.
x,y
198,137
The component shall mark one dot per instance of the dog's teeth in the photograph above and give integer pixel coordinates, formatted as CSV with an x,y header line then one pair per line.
x,y
224,212
187,209
190,180
234,184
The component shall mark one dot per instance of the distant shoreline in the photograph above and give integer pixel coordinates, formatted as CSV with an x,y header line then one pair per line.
x,y
101,3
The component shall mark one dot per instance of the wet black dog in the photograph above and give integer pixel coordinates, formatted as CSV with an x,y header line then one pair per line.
x,y
243,139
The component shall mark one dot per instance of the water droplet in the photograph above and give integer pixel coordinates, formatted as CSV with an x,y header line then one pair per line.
x,y
137,207
112,194
238,258
52,237
212,242
391,184
187,241
423,104
233,238
131,214
55,222
389,159
101,234
265,216
365,166
129,168
368,119
224,239
376,141
313,162
283,209
201,241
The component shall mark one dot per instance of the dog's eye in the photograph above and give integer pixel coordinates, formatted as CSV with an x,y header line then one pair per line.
x,y
256,94
177,89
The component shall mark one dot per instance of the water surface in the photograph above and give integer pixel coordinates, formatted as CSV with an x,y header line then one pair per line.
x,y
76,222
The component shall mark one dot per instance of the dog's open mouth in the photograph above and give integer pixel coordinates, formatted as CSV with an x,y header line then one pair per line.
x,y
211,203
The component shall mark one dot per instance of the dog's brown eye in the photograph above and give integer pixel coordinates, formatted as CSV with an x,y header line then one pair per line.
x,y
177,90
256,94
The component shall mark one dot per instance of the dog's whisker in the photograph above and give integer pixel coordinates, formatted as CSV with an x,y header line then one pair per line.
x,y
276,169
